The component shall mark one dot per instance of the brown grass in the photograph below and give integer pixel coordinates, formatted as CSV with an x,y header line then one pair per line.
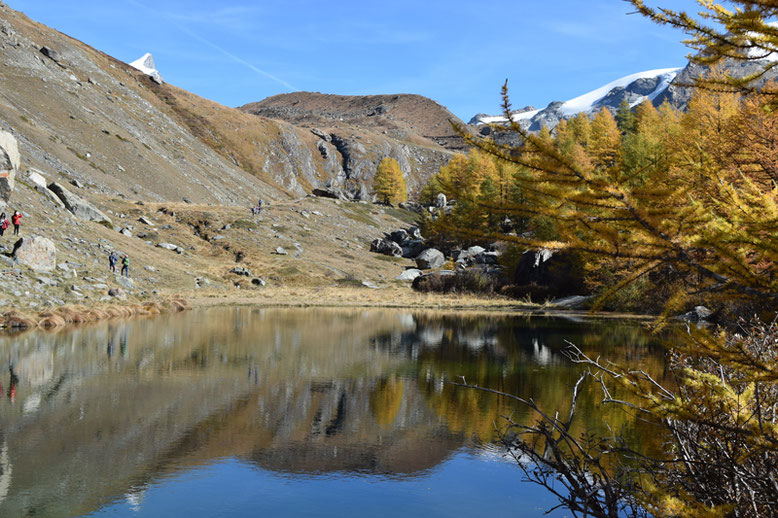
x,y
69,315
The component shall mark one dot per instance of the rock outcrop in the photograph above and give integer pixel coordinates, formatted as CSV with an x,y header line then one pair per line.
x,y
38,253
79,207
9,164
430,258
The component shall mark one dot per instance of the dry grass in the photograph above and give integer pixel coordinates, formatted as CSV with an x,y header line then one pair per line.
x,y
70,315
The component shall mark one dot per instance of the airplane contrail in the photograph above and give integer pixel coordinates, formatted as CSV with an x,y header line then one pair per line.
x,y
214,46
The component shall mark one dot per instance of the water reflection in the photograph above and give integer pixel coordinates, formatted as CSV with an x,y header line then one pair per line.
x,y
98,414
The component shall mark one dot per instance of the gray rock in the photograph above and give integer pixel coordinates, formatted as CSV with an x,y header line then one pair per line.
x,y
412,248
386,247
409,274
464,255
167,246
440,200
238,270
368,284
179,250
125,282
399,236
9,164
126,232
77,184
118,293
149,268
38,253
51,54
415,233
79,207
146,221
202,282
280,251
35,178
218,237
430,258
258,282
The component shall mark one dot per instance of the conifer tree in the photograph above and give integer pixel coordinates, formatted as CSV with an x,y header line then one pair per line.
x,y
389,183
625,118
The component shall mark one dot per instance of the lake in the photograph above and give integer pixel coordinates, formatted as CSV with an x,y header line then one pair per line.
x,y
290,412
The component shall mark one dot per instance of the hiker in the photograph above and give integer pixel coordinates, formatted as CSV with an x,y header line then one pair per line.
x,y
3,223
253,212
259,207
16,219
126,266
112,258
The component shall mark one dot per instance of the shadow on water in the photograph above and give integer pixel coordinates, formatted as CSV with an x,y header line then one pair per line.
x,y
96,414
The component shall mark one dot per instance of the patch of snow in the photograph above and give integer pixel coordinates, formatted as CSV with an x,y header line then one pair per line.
x,y
146,65
498,119
585,102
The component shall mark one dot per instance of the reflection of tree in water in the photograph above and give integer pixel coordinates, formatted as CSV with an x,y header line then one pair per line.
x,y
516,355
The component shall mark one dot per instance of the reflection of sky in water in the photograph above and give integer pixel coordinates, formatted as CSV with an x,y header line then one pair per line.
x,y
457,487
248,411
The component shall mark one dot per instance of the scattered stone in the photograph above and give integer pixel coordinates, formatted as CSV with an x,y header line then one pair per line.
x,y
36,178
440,201
202,282
399,236
125,282
218,237
118,293
187,200
38,253
146,221
126,232
368,284
258,282
149,268
415,233
280,251
75,183
167,246
239,270
430,258
409,275
51,54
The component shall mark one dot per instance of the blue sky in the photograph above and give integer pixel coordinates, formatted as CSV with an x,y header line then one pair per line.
x,y
458,53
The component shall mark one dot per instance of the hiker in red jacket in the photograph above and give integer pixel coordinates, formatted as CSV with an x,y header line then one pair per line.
x,y
16,219
3,223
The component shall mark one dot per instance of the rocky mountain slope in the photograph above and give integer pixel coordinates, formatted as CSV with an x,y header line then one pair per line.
x,y
80,114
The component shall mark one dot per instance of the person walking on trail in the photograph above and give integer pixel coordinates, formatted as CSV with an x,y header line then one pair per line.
x,y
4,224
126,266
16,219
259,207
112,258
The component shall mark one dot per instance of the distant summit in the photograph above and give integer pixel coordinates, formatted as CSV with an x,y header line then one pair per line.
x,y
146,65
635,88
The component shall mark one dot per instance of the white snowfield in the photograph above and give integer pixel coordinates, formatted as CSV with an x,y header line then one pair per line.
x,y
587,101
146,65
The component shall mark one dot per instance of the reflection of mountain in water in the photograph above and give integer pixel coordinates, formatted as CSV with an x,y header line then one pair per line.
x,y
98,413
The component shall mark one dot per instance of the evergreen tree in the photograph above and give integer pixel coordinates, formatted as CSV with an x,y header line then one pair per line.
x,y
625,118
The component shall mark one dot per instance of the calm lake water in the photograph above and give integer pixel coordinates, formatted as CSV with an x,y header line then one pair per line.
x,y
288,412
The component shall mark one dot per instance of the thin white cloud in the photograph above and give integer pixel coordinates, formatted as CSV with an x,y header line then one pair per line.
x,y
194,35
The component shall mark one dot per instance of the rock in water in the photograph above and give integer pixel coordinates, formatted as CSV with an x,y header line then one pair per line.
x,y
9,163
430,258
38,253
79,207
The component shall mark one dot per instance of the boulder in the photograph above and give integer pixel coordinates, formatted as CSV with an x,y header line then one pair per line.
x,y
368,284
79,207
118,293
146,221
471,252
38,253
424,281
258,282
440,200
430,258
125,282
399,236
415,233
9,164
36,179
409,275
411,206
51,54
412,248
386,247
167,246
280,251
239,270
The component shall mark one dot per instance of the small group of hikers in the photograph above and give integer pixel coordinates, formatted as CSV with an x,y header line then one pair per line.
x,y
16,220
257,210
113,258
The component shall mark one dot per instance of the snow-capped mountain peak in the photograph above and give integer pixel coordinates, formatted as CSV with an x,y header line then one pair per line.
x,y
635,88
146,65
